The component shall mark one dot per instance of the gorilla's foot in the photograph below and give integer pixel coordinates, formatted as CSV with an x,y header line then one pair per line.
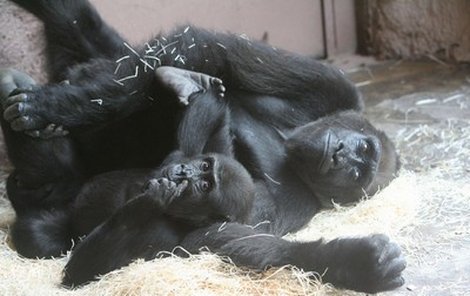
x,y
11,79
186,83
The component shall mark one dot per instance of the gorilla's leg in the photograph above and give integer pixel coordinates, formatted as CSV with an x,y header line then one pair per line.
x,y
81,49
75,33
38,162
45,179
204,126
370,264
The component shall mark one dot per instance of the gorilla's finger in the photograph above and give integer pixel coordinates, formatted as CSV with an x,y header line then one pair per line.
x,y
217,81
14,111
34,133
393,284
18,98
181,187
390,252
396,266
23,123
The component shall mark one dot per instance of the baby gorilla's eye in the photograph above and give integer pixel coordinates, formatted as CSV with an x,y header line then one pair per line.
x,y
363,146
205,166
206,185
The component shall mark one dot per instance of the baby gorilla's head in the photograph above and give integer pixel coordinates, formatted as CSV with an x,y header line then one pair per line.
x,y
219,189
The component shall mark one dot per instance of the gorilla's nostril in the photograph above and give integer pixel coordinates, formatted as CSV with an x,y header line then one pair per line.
x,y
340,147
335,158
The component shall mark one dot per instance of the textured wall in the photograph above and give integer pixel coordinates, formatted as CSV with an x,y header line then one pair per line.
x,y
401,28
21,41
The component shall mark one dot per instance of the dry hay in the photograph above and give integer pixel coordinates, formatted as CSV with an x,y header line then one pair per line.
x,y
425,211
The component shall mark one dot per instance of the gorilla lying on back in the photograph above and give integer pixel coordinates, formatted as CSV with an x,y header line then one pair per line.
x,y
292,123
181,198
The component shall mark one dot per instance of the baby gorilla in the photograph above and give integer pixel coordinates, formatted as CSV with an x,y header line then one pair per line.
x,y
138,213
208,189
197,191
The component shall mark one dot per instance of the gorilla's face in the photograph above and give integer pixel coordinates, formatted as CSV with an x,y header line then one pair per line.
x,y
218,189
342,157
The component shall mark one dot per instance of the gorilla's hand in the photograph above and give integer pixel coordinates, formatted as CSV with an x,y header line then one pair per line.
x,y
164,191
49,132
371,264
186,83
22,112
16,93
15,87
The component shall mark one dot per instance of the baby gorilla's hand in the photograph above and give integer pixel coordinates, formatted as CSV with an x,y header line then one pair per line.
x,y
187,83
51,131
164,191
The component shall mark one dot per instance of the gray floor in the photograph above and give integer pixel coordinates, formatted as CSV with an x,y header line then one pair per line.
x,y
425,107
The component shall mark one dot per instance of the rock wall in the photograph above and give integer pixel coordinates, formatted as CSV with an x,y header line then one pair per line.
x,y
412,29
22,43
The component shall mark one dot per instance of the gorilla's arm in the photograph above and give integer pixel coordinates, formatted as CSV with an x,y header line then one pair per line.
x,y
369,264
91,96
137,230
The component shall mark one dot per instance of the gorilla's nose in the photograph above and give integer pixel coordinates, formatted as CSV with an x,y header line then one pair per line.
x,y
183,171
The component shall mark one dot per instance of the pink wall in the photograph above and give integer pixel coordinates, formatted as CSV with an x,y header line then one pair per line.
x,y
294,25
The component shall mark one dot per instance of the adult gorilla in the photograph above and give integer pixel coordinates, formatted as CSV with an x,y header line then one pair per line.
x,y
120,117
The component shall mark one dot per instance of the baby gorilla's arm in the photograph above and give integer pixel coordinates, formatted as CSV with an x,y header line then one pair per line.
x,y
137,230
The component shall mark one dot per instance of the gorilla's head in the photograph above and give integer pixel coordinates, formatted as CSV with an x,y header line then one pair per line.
x,y
219,189
342,157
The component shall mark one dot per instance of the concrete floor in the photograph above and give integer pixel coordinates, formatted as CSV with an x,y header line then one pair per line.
x,y
406,95
425,107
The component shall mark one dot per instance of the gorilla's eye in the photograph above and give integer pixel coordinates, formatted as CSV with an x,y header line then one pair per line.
x,y
206,185
205,165
363,146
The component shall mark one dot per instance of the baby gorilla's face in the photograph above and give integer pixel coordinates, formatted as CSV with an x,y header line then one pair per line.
x,y
215,188
342,157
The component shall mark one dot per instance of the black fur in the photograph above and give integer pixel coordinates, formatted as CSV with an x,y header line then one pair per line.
x,y
273,98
